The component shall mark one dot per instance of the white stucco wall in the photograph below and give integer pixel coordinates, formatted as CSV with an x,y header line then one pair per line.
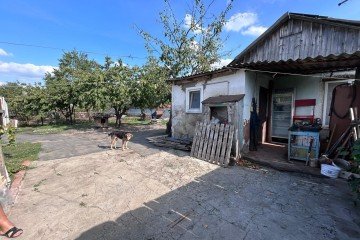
x,y
183,124
305,87
253,82
242,82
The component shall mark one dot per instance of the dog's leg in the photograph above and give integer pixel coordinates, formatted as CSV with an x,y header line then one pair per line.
x,y
122,145
111,143
126,143
115,141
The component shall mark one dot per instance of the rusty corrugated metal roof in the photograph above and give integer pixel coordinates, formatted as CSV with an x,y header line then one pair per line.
x,y
310,65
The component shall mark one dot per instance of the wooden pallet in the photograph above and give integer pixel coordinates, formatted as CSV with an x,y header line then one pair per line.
x,y
165,141
212,143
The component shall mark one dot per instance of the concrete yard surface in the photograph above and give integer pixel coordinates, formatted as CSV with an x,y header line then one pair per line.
x,y
72,143
124,195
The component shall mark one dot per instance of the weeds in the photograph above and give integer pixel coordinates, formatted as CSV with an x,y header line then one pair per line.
x,y
15,155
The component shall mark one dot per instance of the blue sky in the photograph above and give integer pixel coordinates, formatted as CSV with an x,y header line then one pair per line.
x,y
108,27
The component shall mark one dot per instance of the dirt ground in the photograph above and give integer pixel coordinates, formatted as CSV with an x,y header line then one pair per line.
x,y
150,193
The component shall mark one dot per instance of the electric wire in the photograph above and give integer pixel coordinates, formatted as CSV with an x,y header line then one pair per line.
x,y
65,50
233,68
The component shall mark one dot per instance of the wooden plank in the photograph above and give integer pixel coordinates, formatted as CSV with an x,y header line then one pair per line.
x,y
229,146
214,143
210,142
195,146
218,144
201,140
206,139
201,128
224,144
194,141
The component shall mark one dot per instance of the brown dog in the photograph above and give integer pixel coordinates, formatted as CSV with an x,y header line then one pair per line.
x,y
124,136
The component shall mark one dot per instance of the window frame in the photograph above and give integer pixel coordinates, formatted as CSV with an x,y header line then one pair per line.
x,y
193,89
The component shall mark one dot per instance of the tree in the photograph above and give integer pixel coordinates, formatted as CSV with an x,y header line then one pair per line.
x,y
66,83
119,80
36,103
26,102
190,45
151,89
14,94
93,93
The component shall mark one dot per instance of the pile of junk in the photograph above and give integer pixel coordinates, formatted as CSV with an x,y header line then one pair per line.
x,y
341,156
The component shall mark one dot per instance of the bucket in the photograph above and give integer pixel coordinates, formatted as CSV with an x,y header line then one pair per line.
x,y
331,171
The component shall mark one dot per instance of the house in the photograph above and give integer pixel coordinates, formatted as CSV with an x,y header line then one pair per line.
x,y
4,113
300,57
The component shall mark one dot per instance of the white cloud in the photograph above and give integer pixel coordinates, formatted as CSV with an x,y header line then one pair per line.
x,y
189,23
246,23
240,21
221,63
4,53
194,45
254,31
27,70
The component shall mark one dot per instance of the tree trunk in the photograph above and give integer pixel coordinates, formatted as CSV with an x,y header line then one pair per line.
x,y
42,121
142,115
88,112
73,110
117,114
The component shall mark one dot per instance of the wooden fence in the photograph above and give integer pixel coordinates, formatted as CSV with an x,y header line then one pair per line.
x,y
212,143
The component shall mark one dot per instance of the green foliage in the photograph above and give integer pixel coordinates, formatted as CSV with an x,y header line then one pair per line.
x,y
135,121
151,88
355,155
26,102
82,83
14,94
55,128
67,83
11,133
15,155
192,44
119,87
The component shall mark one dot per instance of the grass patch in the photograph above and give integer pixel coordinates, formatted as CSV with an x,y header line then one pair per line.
x,y
55,128
132,121
15,155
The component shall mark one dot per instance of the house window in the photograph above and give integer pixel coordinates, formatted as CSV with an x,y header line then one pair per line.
x,y
329,87
193,100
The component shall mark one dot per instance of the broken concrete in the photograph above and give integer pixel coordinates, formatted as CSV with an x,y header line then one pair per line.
x,y
123,195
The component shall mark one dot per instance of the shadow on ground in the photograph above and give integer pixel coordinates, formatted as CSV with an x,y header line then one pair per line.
x,y
229,204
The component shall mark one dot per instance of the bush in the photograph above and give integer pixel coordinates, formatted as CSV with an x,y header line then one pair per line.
x,y
355,155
